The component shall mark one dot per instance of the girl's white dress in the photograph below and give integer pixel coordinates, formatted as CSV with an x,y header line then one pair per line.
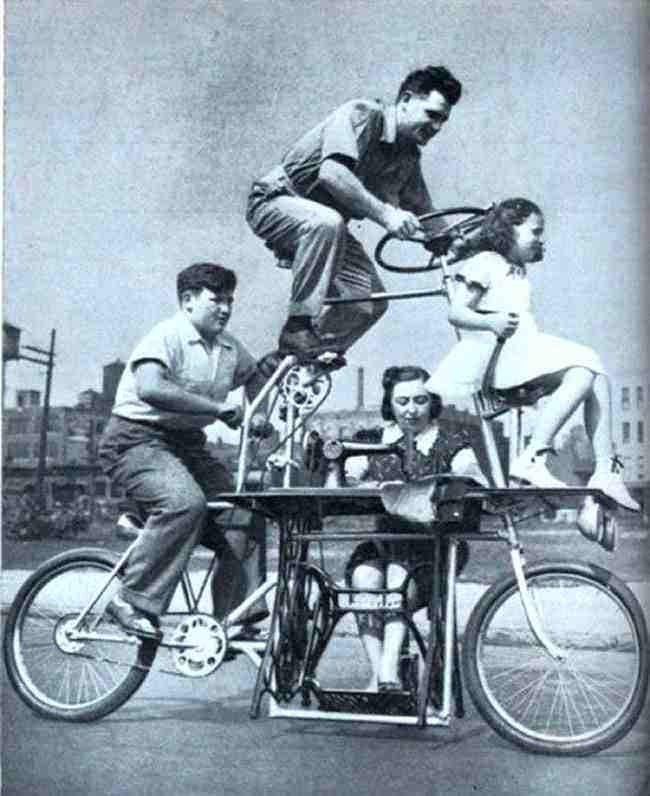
x,y
526,355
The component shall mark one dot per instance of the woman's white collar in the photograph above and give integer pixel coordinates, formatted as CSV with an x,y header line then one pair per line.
x,y
423,441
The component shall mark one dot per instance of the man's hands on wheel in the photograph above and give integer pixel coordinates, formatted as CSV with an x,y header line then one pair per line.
x,y
401,223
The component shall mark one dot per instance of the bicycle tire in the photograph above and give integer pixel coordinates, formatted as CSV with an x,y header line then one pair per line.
x,y
574,707
56,677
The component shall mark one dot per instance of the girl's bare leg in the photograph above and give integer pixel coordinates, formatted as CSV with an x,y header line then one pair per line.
x,y
598,419
598,423
574,388
570,389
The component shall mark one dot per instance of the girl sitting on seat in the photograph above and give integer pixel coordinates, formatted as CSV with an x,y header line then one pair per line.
x,y
491,301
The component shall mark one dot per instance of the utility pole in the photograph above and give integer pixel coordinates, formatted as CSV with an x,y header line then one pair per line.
x,y
42,448
92,459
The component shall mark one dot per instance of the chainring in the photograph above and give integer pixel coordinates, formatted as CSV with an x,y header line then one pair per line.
x,y
204,645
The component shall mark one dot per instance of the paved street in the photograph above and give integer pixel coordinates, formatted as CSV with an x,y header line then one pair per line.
x,y
195,737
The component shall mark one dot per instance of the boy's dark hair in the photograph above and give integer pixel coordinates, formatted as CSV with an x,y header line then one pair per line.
x,y
205,275
395,375
432,78
496,232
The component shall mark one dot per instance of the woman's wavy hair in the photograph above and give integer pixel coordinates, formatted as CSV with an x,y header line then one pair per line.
x,y
496,232
396,375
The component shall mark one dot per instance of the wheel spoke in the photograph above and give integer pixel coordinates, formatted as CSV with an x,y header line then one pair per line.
x,y
538,700
56,672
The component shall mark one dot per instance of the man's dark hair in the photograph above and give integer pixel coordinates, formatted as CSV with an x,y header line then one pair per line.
x,y
496,232
205,275
432,78
396,375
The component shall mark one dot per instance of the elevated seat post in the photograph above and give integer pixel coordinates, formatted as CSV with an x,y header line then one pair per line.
x,y
515,433
496,471
482,403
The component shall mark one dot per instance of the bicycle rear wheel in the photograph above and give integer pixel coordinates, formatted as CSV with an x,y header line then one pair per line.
x,y
56,674
575,706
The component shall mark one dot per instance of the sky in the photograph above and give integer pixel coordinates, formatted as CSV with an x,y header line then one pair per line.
x,y
133,129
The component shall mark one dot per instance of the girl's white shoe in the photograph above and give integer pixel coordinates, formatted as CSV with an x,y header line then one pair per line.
x,y
610,481
531,467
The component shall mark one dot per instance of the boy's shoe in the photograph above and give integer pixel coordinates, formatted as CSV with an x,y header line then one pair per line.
x,y
531,468
133,621
610,481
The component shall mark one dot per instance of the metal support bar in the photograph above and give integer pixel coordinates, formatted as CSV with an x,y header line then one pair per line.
x,y
450,629
386,296
102,590
276,711
287,362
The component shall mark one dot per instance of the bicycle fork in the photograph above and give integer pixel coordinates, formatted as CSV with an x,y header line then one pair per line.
x,y
533,616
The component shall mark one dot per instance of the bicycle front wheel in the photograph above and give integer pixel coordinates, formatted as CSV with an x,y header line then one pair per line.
x,y
591,696
63,669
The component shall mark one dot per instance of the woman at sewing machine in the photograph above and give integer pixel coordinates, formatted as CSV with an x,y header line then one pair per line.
x,y
411,416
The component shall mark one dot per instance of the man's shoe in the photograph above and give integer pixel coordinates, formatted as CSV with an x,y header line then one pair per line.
x,y
531,468
133,621
303,343
610,481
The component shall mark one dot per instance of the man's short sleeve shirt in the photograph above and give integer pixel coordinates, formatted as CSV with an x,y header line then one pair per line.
x,y
362,134
189,362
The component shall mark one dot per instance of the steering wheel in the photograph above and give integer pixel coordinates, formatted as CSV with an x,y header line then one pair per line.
x,y
437,243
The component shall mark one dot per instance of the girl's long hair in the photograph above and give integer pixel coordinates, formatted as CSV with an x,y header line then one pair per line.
x,y
496,232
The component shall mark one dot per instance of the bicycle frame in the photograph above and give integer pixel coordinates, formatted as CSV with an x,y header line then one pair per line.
x,y
191,599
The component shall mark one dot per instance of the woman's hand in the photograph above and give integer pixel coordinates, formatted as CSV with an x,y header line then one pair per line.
x,y
504,324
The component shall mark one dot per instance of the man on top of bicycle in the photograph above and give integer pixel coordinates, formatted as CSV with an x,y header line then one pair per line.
x,y
362,161
176,382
